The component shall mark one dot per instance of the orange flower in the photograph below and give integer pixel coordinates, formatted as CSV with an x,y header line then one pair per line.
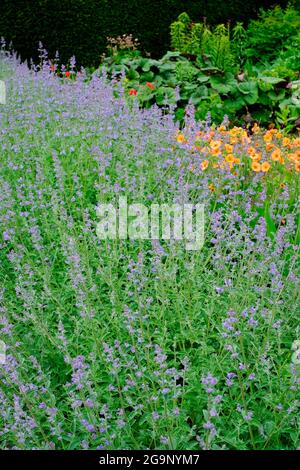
x,y
297,166
268,136
296,142
229,158
269,147
181,139
265,167
235,131
245,139
256,166
286,141
215,144
255,128
204,164
276,155
256,157
215,147
237,161
228,148
251,150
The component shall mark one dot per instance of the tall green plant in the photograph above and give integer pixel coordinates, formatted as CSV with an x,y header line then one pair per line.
x,y
199,39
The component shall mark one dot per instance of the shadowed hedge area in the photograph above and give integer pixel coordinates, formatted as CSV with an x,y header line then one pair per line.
x,y
80,27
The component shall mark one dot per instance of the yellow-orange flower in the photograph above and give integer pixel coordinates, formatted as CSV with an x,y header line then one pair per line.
x,y
228,148
276,155
256,166
256,156
235,131
268,136
245,139
265,166
204,165
251,150
212,187
229,158
296,142
286,141
269,147
215,147
181,139
215,144
255,128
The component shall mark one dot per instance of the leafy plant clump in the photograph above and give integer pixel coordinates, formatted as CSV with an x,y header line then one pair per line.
x,y
217,70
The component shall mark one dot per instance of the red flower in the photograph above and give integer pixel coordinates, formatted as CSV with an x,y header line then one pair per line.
x,y
132,92
53,68
67,74
150,85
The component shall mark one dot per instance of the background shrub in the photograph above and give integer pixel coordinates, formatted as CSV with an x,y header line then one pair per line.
x,y
80,27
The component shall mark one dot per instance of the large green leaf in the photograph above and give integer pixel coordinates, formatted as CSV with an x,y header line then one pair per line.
x,y
202,78
233,104
223,86
250,91
147,77
167,67
200,94
166,95
271,80
276,96
132,75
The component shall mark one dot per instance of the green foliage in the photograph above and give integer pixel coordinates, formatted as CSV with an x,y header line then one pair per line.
x,y
212,45
80,27
260,93
210,68
272,32
239,40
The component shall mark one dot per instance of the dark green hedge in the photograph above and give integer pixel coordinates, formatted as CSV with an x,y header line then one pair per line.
x,y
80,27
